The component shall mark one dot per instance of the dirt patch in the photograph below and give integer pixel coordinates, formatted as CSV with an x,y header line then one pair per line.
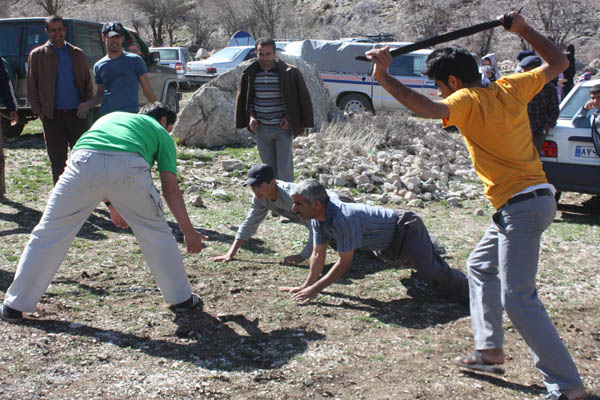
x,y
103,331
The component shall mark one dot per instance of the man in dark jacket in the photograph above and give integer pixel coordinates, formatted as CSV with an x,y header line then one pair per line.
x,y
274,104
58,83
7,94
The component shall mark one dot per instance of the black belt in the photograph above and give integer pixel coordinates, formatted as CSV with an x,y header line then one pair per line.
x,y
528,195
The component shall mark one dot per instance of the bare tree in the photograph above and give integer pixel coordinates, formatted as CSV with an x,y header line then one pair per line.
x,y
565,21
234,15
268,14
52,7
199,22
164,16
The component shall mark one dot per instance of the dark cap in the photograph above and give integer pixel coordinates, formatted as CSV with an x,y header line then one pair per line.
x,y
258,174
111,29
525,53
530,62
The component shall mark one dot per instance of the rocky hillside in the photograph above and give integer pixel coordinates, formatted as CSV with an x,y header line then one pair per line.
x,y
407,20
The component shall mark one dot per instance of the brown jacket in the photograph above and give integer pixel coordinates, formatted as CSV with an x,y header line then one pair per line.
x,y
296,98
41,78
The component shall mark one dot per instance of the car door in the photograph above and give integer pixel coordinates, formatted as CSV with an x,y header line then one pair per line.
x,y
408,69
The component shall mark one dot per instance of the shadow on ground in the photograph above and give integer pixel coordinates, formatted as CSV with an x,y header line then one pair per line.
x,y
210,342
33,141
421,310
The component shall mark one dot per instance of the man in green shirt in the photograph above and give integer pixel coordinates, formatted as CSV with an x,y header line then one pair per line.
x,y
112,162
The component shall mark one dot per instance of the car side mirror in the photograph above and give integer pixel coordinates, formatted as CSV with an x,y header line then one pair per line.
x,y
154,57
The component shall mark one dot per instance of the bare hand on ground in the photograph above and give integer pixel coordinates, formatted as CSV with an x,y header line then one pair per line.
x,y
224,257
293,260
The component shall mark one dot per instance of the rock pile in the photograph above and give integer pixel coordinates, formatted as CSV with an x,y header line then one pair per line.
x,y
404,159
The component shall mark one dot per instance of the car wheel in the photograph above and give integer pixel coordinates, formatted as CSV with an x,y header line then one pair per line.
x,y
11,131
355,103
172,99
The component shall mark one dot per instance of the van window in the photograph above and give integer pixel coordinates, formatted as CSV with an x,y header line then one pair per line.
x,y
36,36
89,39
407,65
11,39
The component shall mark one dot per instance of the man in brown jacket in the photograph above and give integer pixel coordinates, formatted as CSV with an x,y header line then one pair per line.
x,y
274,104
58,82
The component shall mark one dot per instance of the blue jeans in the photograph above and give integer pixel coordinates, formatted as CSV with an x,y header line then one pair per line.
x,y
502,270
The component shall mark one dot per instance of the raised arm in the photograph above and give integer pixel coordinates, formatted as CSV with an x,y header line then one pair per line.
x,y
556,61
420,104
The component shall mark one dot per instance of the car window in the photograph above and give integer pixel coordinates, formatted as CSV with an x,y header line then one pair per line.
x,y
575,102
168,54
11,39
89,39
407,66
187,56
251,54
35,36
226,54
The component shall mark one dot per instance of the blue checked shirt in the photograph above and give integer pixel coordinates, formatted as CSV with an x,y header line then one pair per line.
x,y
355,226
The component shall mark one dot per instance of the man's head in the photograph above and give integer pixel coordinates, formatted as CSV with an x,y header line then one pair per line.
x,y
265,52
56,30
310,200
163,114
261,179
525,53
452,68
595,96
114,34
530,62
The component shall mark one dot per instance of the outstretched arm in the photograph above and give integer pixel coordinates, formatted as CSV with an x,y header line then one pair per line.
x,y
420,104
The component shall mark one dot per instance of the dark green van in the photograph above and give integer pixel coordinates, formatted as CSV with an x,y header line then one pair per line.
x,y
21,35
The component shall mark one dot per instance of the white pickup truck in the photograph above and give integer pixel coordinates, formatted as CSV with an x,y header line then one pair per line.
x,y
350,81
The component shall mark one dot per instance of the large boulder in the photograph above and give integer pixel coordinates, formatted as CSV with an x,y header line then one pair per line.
x,y
207,118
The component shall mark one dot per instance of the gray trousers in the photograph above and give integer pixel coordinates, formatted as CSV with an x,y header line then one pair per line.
x,y
124,178
412,245
502,270
275,149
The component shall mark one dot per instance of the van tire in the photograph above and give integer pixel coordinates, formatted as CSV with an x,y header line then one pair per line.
x,y
11,131
355,103
172,100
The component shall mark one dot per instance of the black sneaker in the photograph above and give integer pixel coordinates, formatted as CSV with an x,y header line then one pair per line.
x,y
190,303
10,314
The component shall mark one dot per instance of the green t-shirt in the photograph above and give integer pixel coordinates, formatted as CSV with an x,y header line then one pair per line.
x,y
134,133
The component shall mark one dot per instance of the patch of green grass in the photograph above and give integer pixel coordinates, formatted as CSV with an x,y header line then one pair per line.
x,y
33,127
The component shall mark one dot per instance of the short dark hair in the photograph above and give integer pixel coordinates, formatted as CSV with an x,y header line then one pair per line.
x,y
265,41
159,110
595,89
452,60
54,18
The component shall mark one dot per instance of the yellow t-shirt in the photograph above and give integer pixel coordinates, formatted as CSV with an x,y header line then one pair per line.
x,y
495,125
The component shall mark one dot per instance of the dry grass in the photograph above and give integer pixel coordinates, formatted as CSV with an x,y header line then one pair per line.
x,y
102,330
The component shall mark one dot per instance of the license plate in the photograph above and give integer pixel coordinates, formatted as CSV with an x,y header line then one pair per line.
x,y
585,152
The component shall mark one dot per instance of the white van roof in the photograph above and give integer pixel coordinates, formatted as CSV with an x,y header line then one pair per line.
x,y
339,55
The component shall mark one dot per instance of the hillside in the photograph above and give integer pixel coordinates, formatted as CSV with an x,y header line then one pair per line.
x,y
408,20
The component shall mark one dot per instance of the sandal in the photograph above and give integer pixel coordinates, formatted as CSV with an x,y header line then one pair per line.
x,y
475,362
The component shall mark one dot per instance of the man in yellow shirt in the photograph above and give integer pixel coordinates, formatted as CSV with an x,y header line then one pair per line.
x,y
503,266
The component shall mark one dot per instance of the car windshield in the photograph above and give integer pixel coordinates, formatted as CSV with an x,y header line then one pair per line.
x,y
575,102
168,54
226,54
